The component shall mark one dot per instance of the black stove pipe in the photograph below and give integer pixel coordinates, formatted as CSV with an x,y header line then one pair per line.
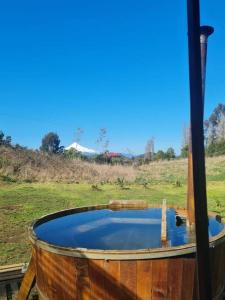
x,y
198,154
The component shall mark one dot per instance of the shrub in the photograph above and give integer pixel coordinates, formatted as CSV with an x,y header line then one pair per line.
x,y
7,179
120,182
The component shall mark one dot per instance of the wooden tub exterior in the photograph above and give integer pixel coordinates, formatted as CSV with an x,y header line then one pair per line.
x,y
150,274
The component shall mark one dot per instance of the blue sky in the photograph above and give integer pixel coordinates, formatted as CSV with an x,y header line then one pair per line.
x,y
121,65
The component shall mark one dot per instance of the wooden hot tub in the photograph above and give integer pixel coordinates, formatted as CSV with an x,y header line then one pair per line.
x,y
152,273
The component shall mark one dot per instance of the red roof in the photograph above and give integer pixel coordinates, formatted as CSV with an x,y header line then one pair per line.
x,y
112,154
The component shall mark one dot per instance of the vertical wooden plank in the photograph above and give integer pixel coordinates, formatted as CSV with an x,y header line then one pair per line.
x,y
45,273
42,281
217,256
128,279
190,187
51,275
175,270
223,262
57,276
214,262
188,278
159,279
28,281
164,224
97,276
63,275
83,281
144,279
195,295
112,280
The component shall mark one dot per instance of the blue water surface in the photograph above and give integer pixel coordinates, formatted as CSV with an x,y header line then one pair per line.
x,y
108,229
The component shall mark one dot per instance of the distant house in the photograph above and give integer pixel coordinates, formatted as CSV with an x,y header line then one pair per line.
x,y
112,155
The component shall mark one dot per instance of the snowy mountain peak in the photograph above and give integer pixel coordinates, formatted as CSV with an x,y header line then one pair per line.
x,y
80,148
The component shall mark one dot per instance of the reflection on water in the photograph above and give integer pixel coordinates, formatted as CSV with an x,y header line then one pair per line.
x,y
117,230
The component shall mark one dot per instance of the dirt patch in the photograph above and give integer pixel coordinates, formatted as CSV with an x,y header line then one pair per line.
x,y
11,207
15,238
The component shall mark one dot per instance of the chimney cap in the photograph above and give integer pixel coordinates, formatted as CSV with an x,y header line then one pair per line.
x,y
206,30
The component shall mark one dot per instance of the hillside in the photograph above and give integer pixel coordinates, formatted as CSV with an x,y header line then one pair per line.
x,y
33,166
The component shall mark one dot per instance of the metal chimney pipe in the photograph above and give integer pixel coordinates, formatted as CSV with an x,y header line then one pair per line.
x,y
198,154
205,32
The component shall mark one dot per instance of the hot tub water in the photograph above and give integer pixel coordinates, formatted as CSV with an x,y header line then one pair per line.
x,y
126,229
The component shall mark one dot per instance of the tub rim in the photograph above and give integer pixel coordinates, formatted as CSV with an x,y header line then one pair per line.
x,y
148,253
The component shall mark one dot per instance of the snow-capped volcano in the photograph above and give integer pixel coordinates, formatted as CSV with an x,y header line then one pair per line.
x,y
80,148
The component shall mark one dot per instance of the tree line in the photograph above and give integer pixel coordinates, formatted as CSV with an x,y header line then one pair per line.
x,y
214,128
151,155
214,131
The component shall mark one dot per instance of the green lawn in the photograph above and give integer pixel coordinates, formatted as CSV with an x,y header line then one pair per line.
x,y
22,203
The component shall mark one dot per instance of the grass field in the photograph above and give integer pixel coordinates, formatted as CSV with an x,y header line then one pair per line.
x,y
24,202
21,203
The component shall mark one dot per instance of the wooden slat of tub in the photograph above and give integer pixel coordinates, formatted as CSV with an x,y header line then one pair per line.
x,y
112,280
221,263
44,271
96,275
188,279
222,266
128,279
159,279
39,271
28,280
217,256
83,280
68,277
144,279
56,275
63,278
175,270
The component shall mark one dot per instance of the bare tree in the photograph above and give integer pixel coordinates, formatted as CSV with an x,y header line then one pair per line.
x,y
149,150
102,140
186,135
214,126
78,134
221,130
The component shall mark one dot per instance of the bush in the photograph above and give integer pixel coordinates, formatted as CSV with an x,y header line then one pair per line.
x,y
7,179
184,151
120,182
216,149
177,183
6,141
142,181
72,153
170,153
